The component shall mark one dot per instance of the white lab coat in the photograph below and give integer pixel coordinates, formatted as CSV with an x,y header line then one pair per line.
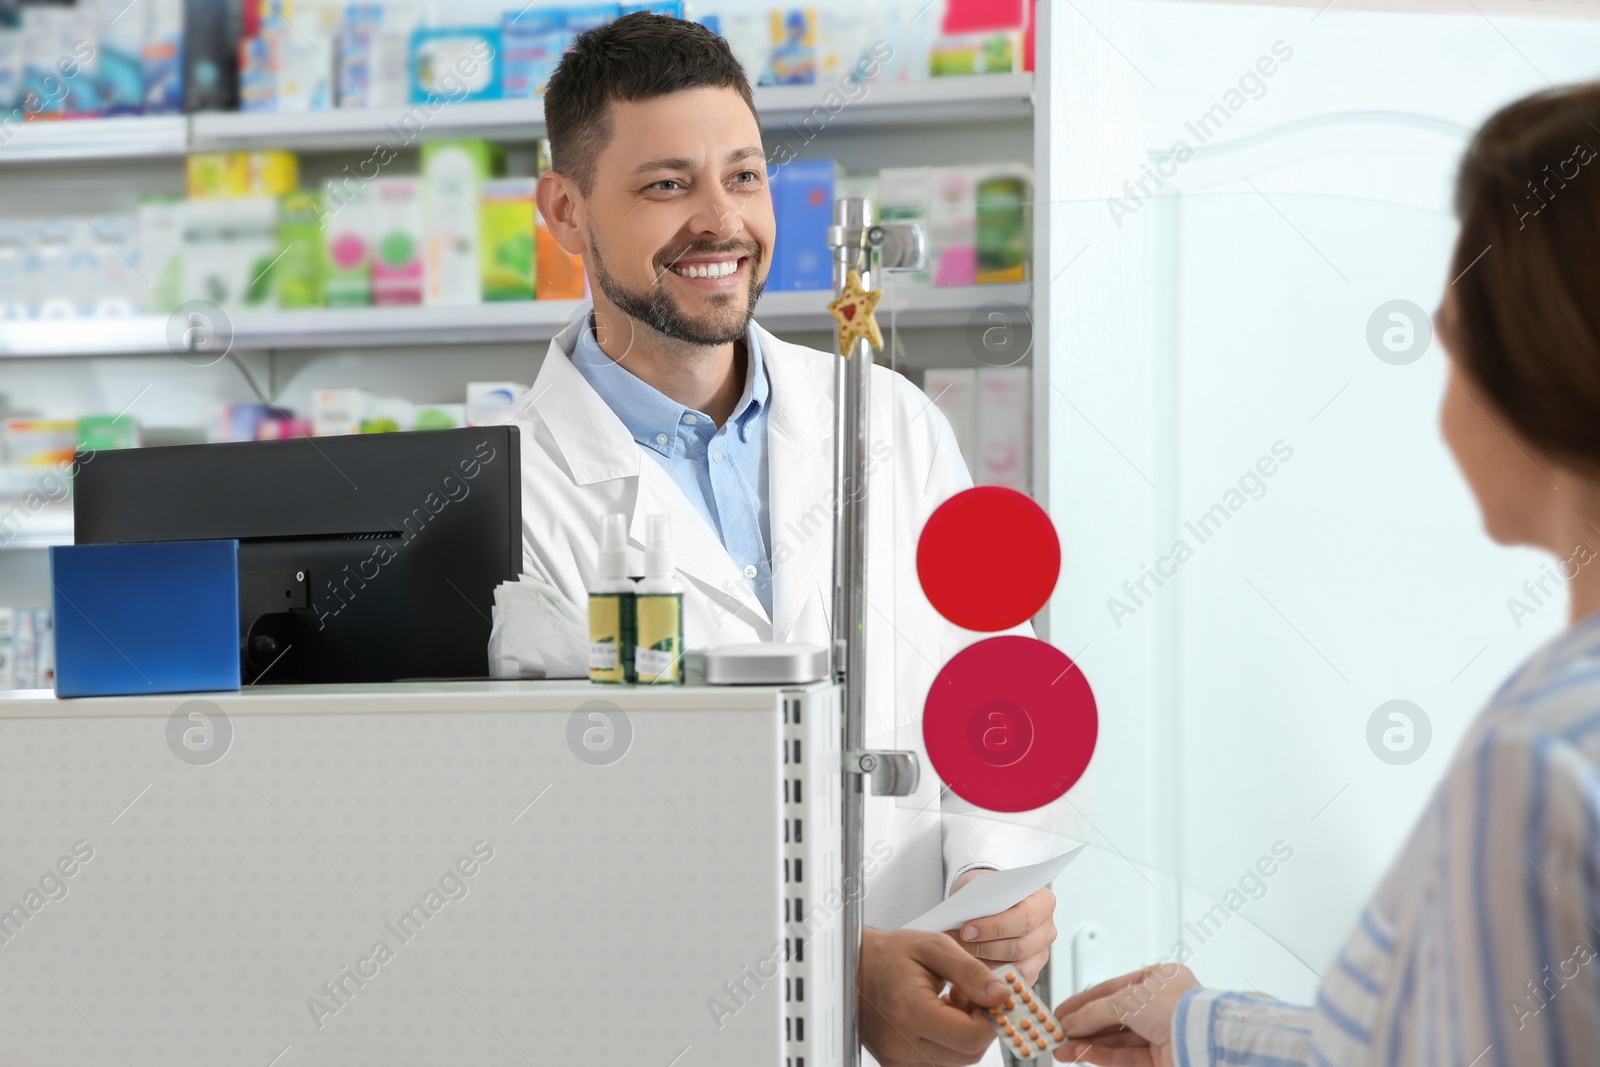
x,y
579,463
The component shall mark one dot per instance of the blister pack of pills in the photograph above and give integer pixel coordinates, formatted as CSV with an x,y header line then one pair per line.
x,y
1024,1022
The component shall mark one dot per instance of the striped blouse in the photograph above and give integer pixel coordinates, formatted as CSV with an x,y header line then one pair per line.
x,y
1479,947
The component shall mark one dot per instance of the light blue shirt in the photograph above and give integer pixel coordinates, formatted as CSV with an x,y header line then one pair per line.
x,y
723,471
1479,946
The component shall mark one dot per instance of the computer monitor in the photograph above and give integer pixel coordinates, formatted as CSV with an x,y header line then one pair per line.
x,y
367,558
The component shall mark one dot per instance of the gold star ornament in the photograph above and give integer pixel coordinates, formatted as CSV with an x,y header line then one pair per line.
x,y
856,314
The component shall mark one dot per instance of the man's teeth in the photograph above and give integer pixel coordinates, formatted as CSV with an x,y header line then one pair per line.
x,y
707,270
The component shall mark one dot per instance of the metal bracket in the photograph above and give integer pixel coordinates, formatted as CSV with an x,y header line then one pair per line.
x,y
891,773
901,246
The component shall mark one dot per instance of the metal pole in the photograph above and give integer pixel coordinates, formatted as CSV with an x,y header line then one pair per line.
x,y
853,216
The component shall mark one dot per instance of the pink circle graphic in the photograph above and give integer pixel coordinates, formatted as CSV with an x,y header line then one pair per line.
x,y
999,732
1010,723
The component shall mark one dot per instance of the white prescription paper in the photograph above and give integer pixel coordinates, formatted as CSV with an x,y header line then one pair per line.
x,y
991,894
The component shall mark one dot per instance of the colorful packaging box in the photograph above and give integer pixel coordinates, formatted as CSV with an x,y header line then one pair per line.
x,y
239,422
161,57
8,648
347,225
335,412
356,33
211,55
114,285
453,176
14,238
1004,226
299,270
272,172
793,60
845,45
217,174
387,414
43,30
160,222
749,36
976,53
96,432
120,58
12,64
49,269
397,249
439,416
45,631
258,73
229,249
493,403
40,442
389,83
955,392
508,258
802,204
25,649
531,40
456,63
953,227
1005,428
283,427
306,46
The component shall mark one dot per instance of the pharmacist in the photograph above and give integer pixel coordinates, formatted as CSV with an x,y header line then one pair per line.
x,y
665,397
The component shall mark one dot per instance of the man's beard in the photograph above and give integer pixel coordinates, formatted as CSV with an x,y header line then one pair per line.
x,y
658,310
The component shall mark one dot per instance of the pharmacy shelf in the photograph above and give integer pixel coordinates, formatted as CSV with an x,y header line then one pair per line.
x,y
908,306
806,107
365,128
20,528
982,97
72,140
138,335
810,108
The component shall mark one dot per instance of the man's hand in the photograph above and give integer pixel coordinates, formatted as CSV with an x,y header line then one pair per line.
x,y
1022,934
1126,1021
904,1021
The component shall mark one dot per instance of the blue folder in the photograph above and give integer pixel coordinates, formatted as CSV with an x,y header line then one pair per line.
x,y
158,617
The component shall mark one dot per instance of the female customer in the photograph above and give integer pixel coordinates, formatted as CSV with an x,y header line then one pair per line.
x,y
1479,947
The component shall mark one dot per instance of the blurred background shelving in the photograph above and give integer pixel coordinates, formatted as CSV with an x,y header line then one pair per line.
x,y
109,346
913,308
888,108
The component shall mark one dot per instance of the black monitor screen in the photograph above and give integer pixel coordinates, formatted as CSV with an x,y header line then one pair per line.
x,y
367,558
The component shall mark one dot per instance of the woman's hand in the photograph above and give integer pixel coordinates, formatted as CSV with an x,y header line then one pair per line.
x,y
1127,1021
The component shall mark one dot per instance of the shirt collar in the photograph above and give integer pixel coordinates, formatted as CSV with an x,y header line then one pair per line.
x,y
649,413
754,398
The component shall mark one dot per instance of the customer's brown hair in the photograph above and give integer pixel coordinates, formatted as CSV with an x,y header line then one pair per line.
x,y
1525,306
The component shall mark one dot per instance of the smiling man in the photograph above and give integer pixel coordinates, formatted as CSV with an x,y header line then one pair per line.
x,y
665,397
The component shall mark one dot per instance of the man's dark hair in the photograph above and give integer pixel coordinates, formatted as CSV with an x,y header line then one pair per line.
x,y
636,57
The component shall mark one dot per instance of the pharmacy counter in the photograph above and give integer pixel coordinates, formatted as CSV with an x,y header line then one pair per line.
x,y
475,872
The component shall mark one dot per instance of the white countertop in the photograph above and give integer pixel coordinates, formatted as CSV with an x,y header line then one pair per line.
x,y
402,697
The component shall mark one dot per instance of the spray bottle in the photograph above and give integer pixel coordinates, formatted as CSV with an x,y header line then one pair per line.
x,y
611,608
658,654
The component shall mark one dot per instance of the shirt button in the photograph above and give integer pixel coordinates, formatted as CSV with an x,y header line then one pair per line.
x,y
689,420
716,456
749,570
661,438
